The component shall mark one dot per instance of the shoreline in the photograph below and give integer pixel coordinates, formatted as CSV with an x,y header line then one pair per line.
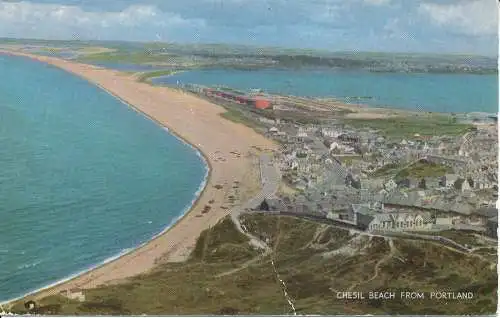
x,y
127,250
182,219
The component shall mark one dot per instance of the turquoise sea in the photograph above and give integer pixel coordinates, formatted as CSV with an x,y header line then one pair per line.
x,y
83,177
424,91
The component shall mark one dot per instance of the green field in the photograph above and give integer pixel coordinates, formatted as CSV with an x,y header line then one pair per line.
x,y
225,275
424,169
407,127
386,170
124,57
147,76
240,118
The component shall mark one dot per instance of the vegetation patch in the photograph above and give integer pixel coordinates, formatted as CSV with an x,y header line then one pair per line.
x,y
121,56
147,76
240,118
386,170
407,127
199,286
424,169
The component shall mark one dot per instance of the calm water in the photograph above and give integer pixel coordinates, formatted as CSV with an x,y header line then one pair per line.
x,y
431,92
83,177
126,67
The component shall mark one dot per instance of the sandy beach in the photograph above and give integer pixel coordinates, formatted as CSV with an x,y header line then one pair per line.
x,y
197,122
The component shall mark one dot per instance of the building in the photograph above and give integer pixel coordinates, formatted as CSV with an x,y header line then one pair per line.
x,y
401,221
390,185
30,305
261,102
448,180
272,205
492,226
75,294
462,185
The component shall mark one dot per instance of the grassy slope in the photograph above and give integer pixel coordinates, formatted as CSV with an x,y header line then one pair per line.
x,y
312,281
420,170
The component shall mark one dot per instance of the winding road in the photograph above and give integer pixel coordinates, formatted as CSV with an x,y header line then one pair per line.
x,y
270,179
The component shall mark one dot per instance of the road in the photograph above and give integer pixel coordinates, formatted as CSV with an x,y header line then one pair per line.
x,y
270,180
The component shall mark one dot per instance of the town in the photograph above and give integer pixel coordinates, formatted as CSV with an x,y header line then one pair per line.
x,y
360,177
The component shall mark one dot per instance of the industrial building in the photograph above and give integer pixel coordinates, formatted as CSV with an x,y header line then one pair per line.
x,y
258,101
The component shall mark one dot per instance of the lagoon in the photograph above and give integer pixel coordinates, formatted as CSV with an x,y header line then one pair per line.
x,y
415,91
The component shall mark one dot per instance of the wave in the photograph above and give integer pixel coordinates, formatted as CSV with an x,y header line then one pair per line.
x,y
28,265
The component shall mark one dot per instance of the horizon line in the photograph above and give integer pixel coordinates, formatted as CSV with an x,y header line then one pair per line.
x,y
319,50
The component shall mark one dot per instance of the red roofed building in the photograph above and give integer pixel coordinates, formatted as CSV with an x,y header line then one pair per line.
x,y
262,102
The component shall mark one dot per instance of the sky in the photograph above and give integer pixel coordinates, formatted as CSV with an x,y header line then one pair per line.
x,y
442,26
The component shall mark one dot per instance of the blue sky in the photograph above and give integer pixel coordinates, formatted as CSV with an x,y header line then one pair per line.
x,y
462,26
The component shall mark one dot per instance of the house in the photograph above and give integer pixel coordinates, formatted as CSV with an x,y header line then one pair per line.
x,y
334,146
383,192
383,221
420,184
448,180
301,134
273,130
390,185
329,132
401,221
325,207
424,221
462,185
362,220
487,211
444,220
75,294
350,181
301,209
492,227
30,305
341,204
333,215
408,183
272,205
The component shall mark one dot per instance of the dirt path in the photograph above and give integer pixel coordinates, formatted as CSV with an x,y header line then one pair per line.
x,y
384,259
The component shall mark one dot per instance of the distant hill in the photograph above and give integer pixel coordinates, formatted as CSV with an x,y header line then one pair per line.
x,y
257,57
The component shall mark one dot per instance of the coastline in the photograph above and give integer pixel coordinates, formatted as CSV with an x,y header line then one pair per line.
x,y
164,245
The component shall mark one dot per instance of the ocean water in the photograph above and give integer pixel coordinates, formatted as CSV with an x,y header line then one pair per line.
x,y
429,92
83,177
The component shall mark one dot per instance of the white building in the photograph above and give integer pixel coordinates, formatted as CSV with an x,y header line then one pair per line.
x,y
390,185
401,222
330,132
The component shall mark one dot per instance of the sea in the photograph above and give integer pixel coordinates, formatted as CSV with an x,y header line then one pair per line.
x,y
83,177
457,93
